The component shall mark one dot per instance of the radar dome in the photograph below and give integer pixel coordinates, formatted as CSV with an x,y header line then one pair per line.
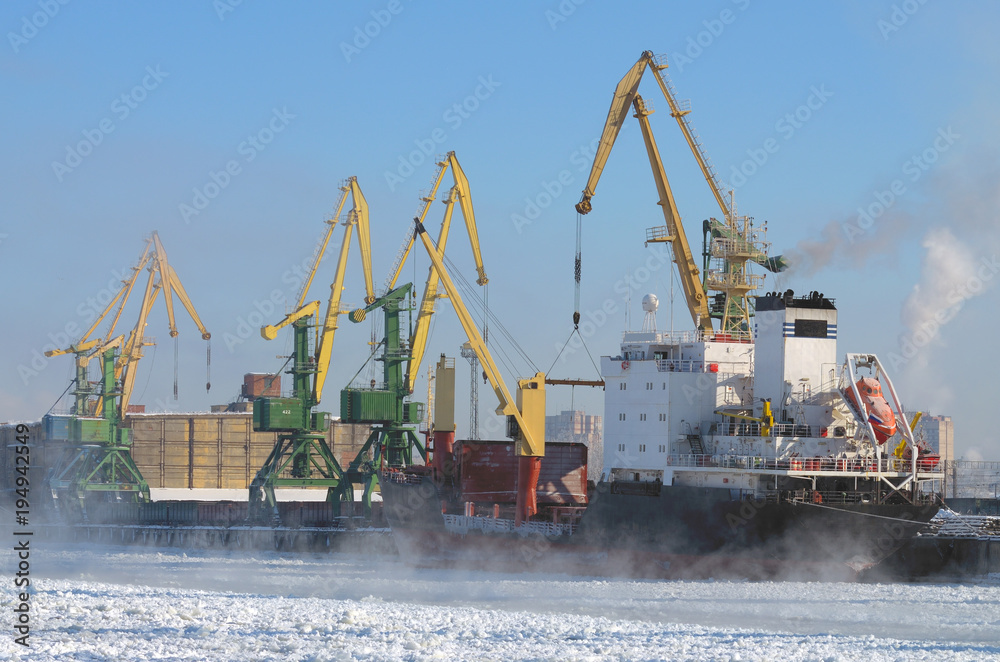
x,y
650,303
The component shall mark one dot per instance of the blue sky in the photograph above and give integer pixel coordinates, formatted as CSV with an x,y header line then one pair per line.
x,y
164,96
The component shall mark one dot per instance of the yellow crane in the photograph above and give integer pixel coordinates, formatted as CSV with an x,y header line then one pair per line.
x,y
99,458
734,243
458,193
527,413
357,218
301,447
83,405
626,96
162,277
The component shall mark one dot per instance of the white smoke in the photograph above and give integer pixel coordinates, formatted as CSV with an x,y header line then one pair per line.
x,y
948,279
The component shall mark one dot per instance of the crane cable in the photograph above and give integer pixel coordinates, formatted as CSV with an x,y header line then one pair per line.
x,y
577,273
176,344
208,365
578,270
470,295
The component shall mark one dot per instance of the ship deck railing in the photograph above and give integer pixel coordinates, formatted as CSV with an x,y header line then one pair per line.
x,y
400,477
808,465
687,365
679,337
830,497
464,524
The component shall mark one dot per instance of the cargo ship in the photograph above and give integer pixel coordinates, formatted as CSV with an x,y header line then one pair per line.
x,y
723,455
744,446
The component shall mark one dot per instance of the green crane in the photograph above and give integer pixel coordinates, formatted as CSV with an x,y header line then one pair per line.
x,y
386,405
101,459
301,456
98,458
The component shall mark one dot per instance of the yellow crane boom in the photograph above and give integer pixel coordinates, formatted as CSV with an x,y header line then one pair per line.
x,y
357,218
153,259
531,440
82,346
626,95
459,193
694,292
465,202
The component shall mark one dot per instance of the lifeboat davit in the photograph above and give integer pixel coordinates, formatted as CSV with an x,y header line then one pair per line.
x,y
879,413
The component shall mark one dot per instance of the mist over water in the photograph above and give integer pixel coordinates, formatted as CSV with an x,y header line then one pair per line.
x,y
958,612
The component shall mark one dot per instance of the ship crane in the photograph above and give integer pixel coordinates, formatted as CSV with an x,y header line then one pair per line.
x,y
732,248
301,457
525,416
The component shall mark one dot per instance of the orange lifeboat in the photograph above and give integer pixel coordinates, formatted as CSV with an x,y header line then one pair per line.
x,y
879,413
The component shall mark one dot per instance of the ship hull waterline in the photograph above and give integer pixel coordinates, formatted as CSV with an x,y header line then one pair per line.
x,y
682,533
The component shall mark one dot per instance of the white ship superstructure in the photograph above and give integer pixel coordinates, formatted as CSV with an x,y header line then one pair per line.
x,y
696,408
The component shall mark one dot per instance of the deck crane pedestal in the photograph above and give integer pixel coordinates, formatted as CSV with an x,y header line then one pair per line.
x,y
301,456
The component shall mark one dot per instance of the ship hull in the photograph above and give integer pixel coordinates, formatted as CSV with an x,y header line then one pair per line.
x,y
682,532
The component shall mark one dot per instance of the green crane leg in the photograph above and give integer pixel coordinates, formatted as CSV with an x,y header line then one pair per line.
x,y
297,460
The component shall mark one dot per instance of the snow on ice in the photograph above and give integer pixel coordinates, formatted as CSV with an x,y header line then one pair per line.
x,y
125,604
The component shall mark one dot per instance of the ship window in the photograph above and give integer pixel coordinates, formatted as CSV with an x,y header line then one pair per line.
x,y
642,417
810,328
664,386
